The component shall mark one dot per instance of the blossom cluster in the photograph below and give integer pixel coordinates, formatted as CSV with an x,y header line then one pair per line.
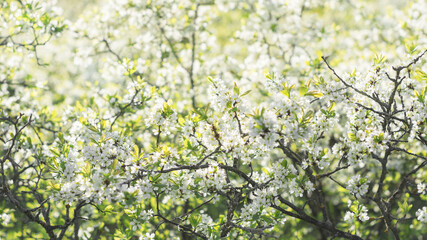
x,y
213,119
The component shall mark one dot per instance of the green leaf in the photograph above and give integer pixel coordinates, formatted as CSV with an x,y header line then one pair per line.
x,y
138,210
54,186
61,137
379,138
421,96
45,19
181,121
86,170
187,144
287,90
109,208
136,151
55,152
270,76
332,106
210,80
195,220
314,93
378,59
113,166
354,208
265,171
267,219
411,47
245,93
92,128
284,163
155,178
352,136
319,80
420,75
303,90
229,104
307,117
62,165
236,90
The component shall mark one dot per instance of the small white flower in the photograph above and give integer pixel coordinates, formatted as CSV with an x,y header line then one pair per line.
x,y
422,214
349,216
358,186
421,188
5,218
309,187
363,215
147,236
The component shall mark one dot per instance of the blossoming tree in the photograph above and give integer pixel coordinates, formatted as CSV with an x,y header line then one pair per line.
x,y
213,119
